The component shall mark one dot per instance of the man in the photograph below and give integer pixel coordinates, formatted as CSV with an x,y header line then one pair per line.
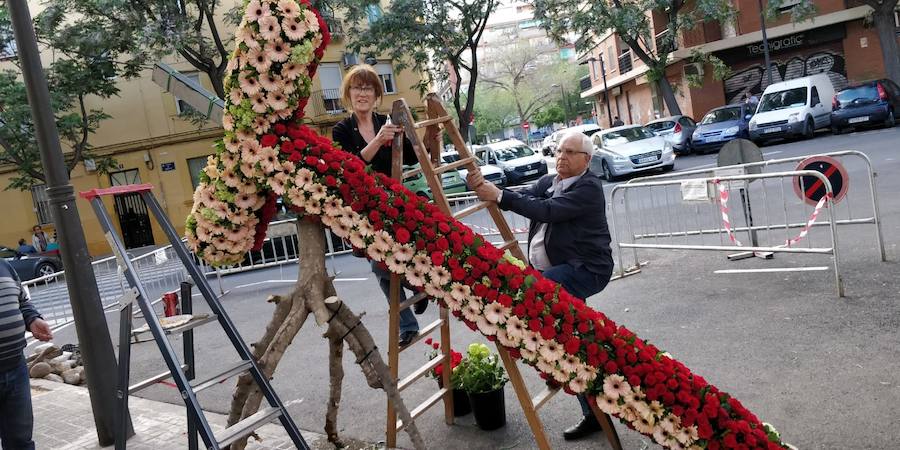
x,y
25,248
617,122
16,315
568,238
39,239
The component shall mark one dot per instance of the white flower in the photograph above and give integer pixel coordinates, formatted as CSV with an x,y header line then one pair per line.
x,y
533,341
608,404
560,376
356,239
515,328
365,227
317,191
440,275
569,363
485,326
436,292
504,339
472,311
670,423
303,177
496,313
383,241
421,262
394,265
661,435
452,303
375,252
551,350
683,436
415,277
528,356
578,385
643,425
403,253
461,292
341,230
615,386
545,366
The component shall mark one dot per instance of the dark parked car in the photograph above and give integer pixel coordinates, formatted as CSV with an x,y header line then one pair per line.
x,y
721,125
873,103
676,129
30,265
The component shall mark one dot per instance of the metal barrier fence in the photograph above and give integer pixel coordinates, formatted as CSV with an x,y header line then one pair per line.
x,y
683,214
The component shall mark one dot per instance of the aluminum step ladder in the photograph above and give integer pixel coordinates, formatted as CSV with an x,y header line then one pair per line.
x,y
428,152
181,373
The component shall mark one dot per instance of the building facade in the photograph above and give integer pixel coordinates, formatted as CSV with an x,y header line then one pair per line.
x,y
838,41
152,143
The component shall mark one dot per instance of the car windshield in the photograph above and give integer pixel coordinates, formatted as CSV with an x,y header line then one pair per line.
x,y
722,115
619,137
858,94
790,98
510,153
660,126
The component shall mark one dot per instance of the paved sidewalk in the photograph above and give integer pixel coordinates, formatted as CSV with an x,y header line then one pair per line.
x,y
63,420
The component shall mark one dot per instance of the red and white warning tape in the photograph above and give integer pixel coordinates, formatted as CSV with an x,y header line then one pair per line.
x,y
723,206
810,222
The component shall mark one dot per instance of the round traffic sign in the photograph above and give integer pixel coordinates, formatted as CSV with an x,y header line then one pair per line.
x,y
740,151
811,189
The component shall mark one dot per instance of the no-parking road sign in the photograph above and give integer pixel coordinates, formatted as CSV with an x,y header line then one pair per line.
x,y
812,189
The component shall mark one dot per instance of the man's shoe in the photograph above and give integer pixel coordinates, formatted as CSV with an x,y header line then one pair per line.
x,y
587,426
407,337
420,306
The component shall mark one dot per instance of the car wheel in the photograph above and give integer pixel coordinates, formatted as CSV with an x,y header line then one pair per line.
x,y
43,269
607,173
890,121
809,130
669,168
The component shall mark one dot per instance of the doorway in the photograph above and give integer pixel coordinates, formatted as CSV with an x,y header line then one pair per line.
x,y
134,219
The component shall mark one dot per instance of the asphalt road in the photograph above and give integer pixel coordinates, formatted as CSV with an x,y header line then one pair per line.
x,y
822,369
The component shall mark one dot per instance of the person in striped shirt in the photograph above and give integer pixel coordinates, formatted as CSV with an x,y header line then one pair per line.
x,y
17,314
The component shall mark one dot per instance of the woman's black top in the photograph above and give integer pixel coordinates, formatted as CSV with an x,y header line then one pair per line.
x,y
346,133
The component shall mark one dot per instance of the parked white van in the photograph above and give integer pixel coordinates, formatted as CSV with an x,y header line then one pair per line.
x,y
793,108
519,162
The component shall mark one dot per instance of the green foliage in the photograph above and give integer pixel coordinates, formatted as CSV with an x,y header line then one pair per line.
x,y
494,111
548,116
81,69
480,371
720,69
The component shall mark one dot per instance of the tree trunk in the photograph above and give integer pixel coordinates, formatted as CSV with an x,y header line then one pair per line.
x,y
314,294
887,35
668,95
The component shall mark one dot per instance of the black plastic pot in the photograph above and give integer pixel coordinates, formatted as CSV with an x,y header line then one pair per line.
x,y
489,408
461,405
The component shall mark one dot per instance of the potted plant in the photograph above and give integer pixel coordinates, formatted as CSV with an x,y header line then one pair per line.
x,y
460,399
483,378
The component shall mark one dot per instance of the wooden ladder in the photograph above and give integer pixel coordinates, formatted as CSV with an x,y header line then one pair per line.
x,y
428,152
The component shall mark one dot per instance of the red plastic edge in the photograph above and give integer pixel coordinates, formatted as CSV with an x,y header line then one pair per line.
x,y
126,189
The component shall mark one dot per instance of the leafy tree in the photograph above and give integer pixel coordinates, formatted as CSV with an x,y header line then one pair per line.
x,y
630,21
549,115
81,70
495,111
437,38
524,76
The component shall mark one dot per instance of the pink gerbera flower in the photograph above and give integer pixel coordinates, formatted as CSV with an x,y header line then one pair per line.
x,y
291,71
615,386
244,200
277,101
289,8
294,28
278,50
236,95
256,11
269,82
269,28
246,35
249,85
311,20
261,125
259,103
259,60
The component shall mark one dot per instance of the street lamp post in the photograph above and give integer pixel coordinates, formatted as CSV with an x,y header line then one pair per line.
x,y
605,89
90,323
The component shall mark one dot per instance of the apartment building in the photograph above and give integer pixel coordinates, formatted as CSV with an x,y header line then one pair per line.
x,y
152,143
838,41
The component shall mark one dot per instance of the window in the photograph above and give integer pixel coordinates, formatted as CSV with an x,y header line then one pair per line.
x,y
182,106
195,166
386,73
330,79
8,48
814,97
373,12
41,203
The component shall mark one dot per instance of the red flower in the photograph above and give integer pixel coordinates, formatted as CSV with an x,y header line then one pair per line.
x,y
268,140
402,235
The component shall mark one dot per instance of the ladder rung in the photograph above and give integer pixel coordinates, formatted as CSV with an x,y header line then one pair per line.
x,y
430,122
454,165
542,398
470,210
246,426
412,300
508,245
194,323
200,385
411,378
422,407
139,386
425,332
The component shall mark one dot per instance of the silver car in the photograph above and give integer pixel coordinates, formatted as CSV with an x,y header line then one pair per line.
x,y
632,148
677,130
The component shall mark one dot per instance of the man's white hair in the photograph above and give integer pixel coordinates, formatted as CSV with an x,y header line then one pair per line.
x,y
581,139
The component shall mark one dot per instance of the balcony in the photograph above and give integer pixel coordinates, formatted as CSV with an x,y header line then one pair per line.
x,y
625,62
665,42
326,102
584,83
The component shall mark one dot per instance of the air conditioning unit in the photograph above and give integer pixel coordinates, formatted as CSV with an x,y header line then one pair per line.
x,y
350,59
693,70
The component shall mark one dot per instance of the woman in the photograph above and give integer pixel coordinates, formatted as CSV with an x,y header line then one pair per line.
x,y
367,134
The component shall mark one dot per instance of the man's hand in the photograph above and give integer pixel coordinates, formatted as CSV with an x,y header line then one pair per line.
x,y
484,190
41,330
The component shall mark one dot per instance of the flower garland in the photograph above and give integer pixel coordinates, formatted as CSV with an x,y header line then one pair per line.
x,y
268,153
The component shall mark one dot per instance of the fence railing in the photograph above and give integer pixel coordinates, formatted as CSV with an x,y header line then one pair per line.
x,y
325,102
625,62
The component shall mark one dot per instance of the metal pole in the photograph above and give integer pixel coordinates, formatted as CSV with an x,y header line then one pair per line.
x,y
765,40
565,104
605,91
90,323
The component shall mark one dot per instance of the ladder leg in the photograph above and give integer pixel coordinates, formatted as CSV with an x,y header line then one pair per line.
x,y
187,307
606,423
393,355
168,353
448,357
121,431
228,326
534,421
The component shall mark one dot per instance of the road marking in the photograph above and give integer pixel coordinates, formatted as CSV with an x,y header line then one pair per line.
x,y
772,153
773,269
